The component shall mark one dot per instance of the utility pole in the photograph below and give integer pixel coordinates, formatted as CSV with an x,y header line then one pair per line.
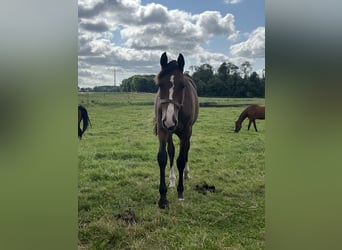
x,y
114,77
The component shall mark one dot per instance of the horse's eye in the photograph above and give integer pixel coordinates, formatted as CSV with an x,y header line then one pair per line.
x,y
182,86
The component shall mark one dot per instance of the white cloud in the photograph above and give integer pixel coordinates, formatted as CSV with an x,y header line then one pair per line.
x,y
152,13
212,23
232,1
131,37
253,47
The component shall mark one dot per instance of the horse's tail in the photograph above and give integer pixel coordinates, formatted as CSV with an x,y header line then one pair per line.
x,y
85,118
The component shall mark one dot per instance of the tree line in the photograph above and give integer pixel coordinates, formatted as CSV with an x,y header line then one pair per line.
x,y
228,81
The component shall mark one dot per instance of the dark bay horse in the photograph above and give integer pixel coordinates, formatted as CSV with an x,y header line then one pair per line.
x,y
176,110
252,112
82,116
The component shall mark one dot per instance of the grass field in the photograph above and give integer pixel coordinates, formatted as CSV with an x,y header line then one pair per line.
x,y
118,171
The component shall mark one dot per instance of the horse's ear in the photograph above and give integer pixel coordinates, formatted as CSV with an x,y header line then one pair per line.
x,y
163,60
180,62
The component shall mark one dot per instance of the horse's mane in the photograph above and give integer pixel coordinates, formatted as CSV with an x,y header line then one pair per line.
x,y
189,78
243,115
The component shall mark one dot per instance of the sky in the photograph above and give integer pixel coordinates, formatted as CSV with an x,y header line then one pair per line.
x,y
121,38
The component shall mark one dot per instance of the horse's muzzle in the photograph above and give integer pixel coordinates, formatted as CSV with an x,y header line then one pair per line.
x,y
170,127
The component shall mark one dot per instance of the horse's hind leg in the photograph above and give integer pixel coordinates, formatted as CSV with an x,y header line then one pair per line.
x,y
171,152
186,171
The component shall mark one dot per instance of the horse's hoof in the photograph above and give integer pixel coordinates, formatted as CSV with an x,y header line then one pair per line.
x,y
163,204
180,197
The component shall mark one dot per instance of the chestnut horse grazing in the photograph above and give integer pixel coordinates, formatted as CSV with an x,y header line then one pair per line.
x,y
176,110
252,112
82,115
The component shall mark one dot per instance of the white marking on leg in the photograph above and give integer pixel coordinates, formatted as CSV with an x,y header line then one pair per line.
x,y
172,177
186,171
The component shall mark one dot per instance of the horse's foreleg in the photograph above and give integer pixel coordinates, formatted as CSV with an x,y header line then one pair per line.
x,y
249,123
162,161
181,161
171,152
254,124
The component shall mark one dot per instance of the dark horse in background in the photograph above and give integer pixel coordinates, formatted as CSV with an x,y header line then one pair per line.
x,y
252,112
176,110
82,116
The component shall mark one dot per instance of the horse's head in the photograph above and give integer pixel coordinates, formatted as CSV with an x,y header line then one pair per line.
x,y
238,126
170,96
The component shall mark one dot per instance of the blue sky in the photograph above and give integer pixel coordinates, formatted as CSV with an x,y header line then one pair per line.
x,y
130,35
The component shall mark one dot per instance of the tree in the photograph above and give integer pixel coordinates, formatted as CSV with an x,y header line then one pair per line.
x,y
232,68
127,85
144,83
223,72
218,87
201,88
246,68
227,75
202,76
139,83
204,72
226,82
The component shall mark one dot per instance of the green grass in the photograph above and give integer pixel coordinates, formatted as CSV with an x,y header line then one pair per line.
x,y
118,170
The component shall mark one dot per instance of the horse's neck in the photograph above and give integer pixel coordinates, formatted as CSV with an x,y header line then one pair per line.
x,y
242,117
